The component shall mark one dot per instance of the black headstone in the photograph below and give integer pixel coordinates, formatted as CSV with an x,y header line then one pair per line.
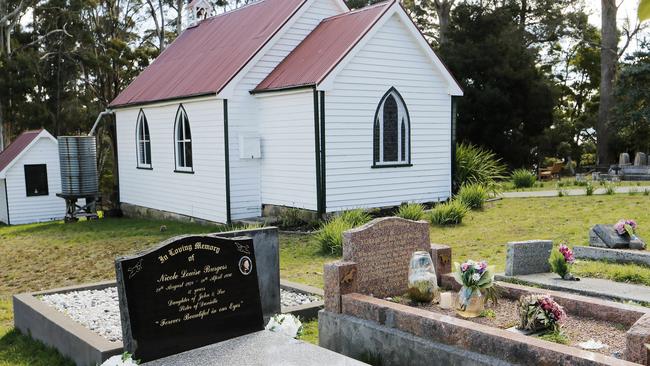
x,y
188,292
606,236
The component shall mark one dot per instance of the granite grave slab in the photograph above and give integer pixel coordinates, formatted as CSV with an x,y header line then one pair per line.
x,y
526,257
604,236
186,293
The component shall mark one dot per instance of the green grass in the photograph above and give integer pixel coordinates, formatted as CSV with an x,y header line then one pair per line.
x,y
630,273
484,234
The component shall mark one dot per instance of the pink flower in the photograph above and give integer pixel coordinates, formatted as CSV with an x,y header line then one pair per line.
x,y
464,267
620,227
632,223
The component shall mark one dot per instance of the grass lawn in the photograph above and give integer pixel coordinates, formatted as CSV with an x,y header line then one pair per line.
x,y
44,256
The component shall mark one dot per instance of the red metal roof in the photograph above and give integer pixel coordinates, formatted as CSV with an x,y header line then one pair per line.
x,y
16,147
204,58
323,49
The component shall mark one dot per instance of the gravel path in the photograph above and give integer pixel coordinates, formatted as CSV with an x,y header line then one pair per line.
x,y
99,310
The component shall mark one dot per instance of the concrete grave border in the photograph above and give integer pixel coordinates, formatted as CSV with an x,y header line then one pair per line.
x,y
635,256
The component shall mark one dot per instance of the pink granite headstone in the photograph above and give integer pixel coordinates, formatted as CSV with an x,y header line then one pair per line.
x,y
382,250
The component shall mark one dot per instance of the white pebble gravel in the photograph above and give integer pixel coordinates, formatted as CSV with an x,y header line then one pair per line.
x,y
290,298
99,310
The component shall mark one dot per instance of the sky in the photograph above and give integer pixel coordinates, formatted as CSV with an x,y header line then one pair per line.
x,y
627,11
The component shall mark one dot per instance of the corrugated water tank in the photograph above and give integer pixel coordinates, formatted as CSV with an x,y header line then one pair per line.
x,y
78,159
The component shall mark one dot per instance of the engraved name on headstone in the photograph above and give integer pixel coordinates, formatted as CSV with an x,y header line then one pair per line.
x,y
186,293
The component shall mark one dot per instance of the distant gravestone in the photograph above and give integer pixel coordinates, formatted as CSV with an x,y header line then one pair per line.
x,y
624,159
186,293
604,236
382,250
527,257
641,159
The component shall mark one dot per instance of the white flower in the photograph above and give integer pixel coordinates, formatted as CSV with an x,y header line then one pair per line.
x,y
286,324
476,277
120,360
477,266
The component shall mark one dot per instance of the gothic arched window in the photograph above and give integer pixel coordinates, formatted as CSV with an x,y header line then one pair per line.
x,y
391,131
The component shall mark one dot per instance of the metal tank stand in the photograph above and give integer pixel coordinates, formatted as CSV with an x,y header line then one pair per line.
x,y
74,211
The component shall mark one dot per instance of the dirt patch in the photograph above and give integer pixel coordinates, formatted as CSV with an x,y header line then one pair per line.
x,y
577,329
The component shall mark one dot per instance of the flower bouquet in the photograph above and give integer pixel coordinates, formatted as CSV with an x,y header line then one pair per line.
x,y
561,261
286,324
626,227
540,312
477,279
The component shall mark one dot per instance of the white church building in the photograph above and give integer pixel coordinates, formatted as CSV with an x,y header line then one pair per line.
x,y
294,103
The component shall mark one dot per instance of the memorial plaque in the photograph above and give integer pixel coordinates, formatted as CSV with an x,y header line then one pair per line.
x,y
187,293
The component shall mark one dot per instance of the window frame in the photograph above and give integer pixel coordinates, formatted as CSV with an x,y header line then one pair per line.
x,y
178,168
47,182
403,118
141,121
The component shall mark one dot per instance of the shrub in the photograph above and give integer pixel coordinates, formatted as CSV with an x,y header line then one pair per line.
x,y
291,218
522,178
356,217
330,236
646,192
449,213
473,196
610,188
411,211
589,189
476,165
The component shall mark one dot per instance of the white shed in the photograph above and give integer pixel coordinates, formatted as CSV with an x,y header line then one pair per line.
x,y
29,180
292,103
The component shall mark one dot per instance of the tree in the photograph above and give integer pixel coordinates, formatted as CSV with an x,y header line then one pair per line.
x,y
508,101
631,114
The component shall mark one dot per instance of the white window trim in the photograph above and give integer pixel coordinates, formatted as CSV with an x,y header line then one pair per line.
x,y
142,141
401,115
177,141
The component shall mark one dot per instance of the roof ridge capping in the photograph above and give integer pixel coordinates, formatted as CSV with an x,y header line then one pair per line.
x,y
386,3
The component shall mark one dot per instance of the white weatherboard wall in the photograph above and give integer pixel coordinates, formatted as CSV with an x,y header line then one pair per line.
x,y
243,116
391,58
3,203
202,194
23,209
288,168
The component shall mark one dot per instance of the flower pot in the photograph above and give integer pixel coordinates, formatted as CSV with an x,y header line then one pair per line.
x,y
472,306
423,282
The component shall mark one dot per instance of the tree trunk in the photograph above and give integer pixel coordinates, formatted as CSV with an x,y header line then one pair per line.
x,y
443,10
608,60
179,17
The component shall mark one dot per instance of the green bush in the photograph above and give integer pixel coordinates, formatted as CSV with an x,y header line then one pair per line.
x,y
449,213
473,196
411,211
330,236
589,189
610,188
522,178
476,165
356,217
291,218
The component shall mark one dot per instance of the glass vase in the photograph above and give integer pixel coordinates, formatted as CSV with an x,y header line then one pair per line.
x,y
470,303
423,282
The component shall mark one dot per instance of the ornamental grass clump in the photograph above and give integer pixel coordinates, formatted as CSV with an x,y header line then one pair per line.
x,y
523,178
476,165
411,211
473,196
589,189
449,213
330,236
539,313
561,261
